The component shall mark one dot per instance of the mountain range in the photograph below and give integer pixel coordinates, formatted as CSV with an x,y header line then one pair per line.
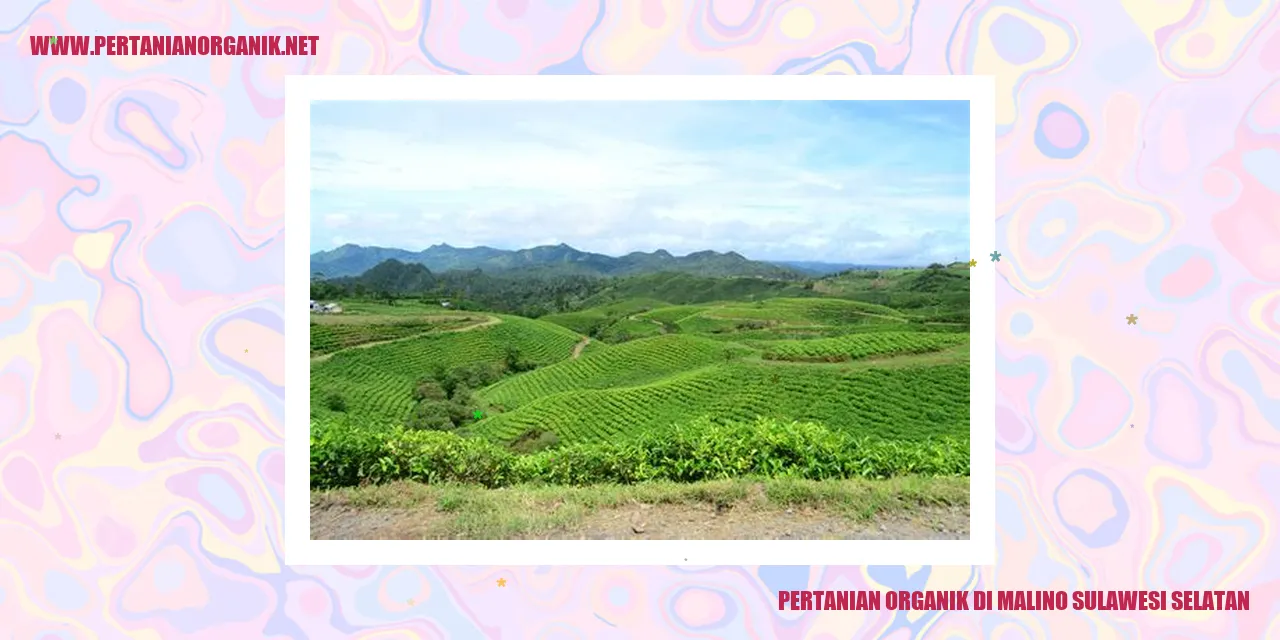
x,y
561,259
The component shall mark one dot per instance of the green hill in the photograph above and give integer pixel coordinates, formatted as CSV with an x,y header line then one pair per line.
x,y
867,353
874,402
377,382
632,363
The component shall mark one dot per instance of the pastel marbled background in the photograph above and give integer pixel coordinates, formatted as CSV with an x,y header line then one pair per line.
x,y
141,269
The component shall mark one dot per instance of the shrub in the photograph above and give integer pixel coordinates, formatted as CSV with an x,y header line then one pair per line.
x,y
429,389
335,402
347,455
432,415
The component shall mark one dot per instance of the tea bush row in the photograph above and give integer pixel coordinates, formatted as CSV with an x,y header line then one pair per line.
x,y
344,453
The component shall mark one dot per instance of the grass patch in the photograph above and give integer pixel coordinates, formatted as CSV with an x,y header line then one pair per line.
x,y
461,512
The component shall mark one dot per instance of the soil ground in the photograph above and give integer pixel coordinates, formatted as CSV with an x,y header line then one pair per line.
x,y
898,509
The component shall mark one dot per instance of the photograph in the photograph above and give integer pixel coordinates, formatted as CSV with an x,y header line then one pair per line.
x,y
640,319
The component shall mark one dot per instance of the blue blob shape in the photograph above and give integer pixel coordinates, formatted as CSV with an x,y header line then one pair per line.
x,y
1042,139
784,578
1241,8
1009,516
15,13
618,596
1108,532
403,585
896,578
169,576
1020,324
220,495
67,100
1241,373
1264,166
1125,62
84,386
577,65
1189,563
64,591
1016,41
1170,261
1040,241
128,135
18,100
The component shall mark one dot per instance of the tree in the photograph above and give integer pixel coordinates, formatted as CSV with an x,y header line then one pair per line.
x,y
429,389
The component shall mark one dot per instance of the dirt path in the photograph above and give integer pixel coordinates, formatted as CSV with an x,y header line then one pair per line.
x,y
660,522
907,508
661,327
487,323
577,348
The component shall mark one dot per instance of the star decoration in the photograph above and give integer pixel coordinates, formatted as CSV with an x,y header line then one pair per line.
x,y
502,582
973,263
411,602
477,414
53,39
1132,319
57,436
995,256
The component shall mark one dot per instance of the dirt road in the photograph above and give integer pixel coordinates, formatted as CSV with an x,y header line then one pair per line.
x,y
657,522
853,509
487,323
577,348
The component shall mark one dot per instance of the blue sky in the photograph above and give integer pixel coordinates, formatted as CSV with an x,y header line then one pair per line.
x,y
877,182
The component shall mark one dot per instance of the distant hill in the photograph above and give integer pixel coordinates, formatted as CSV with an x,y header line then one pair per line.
x,y
828,268
561,259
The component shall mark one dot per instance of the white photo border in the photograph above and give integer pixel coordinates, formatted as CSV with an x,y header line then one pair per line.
x,y
300,549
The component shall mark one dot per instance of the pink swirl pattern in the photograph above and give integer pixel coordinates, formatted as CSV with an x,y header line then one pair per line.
x,y
141,262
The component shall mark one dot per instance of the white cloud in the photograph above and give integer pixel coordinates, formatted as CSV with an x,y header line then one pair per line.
x,y
602,185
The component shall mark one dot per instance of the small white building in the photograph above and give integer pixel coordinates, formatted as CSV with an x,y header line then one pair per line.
x,y
315,306
446,304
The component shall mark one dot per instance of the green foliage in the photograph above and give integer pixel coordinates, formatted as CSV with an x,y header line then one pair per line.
x,y
329,337
432,415
627,329
430,389
379,381
344,454
633,363
905,403
535,440
863,345
335,402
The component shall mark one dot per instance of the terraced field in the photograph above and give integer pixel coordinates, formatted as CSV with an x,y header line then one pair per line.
x,y
632,363
598,318
853,347
641,364
377,382
335,333
875,402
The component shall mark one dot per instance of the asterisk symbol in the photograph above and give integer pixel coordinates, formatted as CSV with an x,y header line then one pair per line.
x,y
53,39
57,436
1132,319
973,263
477,415
995,256
502,582
411,602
